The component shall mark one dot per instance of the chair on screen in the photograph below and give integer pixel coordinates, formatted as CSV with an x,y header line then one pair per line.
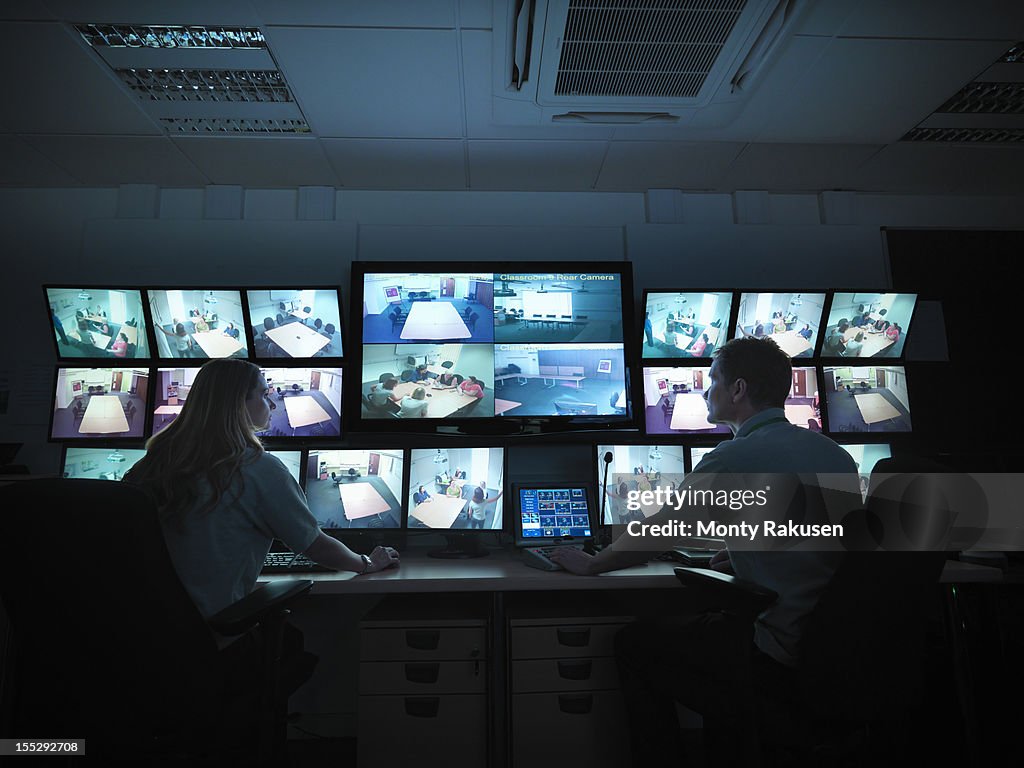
x,y
318,324
280,319
329,331
447,364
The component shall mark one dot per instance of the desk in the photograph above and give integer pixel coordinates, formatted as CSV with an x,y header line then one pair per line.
x,y
98,340
442,402
874,408
799,414
301,314
434,320
501,406
361,500
690,412
437,512
164,410
303,411
873,343
790,342
297,340
216,344
130,332
104,416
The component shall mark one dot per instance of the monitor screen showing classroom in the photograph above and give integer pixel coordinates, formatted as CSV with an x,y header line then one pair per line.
x,y
98,323
198,324
99,463
635,468
868,324
457,489
791,320
294,323
867,399
674,402
355,489
99,403
305,402
459,345
680,324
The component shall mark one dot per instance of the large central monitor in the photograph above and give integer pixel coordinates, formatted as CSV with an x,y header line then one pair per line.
x,y
497,348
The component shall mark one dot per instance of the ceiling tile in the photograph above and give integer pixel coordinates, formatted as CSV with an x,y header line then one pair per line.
x,y
23,166
111,160
955,19
26,10
475,14
379,13
911,168
643,165
156,12
373,83
797,167
535,165
397,164
260,162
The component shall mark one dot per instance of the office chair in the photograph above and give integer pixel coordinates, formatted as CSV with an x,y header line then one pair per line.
x,y
280,319
136,665
318,324
472,321
268,324
447,364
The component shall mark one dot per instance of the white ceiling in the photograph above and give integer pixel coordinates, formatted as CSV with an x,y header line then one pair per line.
x,y
399,95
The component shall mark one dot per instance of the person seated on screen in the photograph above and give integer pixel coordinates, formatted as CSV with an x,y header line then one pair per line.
x,y
183,344
120,346
854,345
201,325
476,509
383,394
414,406
472,387
459,474
447,380
697,348
834,342
222,499
670,336
231,331
758,329
421,373
104,328
194,312
806,331
780,323
454,489
421,496
893,332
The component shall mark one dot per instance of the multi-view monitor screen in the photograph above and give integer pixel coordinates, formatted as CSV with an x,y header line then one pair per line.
x,y
685,324
198,324
791,320
456,488
636,468
484,344
98,323
99,463
99,403
868,324
553,512
867,399
355,488
295,323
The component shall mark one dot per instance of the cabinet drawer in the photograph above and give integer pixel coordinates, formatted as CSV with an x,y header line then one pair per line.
x,y
573,728
424,731
422,677
414,643
554,642
543,675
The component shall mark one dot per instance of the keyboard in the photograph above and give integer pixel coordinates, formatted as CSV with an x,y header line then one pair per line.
x,y
286,562
539,557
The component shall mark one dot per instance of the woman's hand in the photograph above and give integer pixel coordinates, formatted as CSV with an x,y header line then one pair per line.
x,y
381,558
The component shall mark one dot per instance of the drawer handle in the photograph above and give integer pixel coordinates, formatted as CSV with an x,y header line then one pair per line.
x,y
578,669
576,703
422,673
574,638
422,639
423,706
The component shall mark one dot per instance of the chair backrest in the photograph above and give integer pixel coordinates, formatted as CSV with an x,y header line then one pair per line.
x,y
121,640
280,319
330,329
318,323
307,310
268,323
384,377
408,374
447,364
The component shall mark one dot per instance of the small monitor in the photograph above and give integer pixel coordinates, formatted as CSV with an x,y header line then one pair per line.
x,y
867,399
189,323
98,323
866,324
457,489
674,402
641,467
546,513
687,325
697,454
355,489
791,320
866,455
99,463
99,403
803,404
305,402
295,323
292,461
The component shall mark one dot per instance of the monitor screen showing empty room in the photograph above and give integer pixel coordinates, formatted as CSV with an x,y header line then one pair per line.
x,y
98,323
292,461
803,404
198,324
99,463
868,324
305,402
791,320
456,488
354,489
99,403
295,323
674,402
172,389
685,324
867,399
428,307
557,307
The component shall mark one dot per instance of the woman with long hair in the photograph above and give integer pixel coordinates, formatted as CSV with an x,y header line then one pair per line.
x,y
222,499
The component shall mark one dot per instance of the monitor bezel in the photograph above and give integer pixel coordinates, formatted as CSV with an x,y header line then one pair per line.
x,y
829,359
87,441
491,426
147,320
729,333
545,541
474,532
250,330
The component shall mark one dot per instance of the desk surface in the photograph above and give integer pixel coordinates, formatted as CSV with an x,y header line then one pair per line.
x,y
503,571
303,411
434,320
297,340
216,344
104,415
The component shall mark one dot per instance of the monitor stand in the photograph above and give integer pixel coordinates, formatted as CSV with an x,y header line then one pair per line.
x,y
459,546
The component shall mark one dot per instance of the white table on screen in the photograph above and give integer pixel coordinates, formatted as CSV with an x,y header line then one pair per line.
x,y
361,500
690,412
301,314
799,414
434,320
791,342
873,343
874,408
501,406
297,340
621,402
438,511
215,344
303,411
104,416
442,402
168,409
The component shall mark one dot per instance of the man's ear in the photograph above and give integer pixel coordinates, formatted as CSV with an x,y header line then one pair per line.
x,y
739,390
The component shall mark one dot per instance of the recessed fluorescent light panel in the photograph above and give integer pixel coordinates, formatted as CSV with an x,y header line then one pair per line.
x,y
145,36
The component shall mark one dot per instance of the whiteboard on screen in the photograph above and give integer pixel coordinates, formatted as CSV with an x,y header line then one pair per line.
x,y
547,303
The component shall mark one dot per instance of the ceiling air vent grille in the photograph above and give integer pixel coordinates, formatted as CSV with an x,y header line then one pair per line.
x,y
206,85
966,136
642,48
208,126
987,98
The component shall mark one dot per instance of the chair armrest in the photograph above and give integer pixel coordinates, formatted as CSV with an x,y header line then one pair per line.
x,y
726,592
255,607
